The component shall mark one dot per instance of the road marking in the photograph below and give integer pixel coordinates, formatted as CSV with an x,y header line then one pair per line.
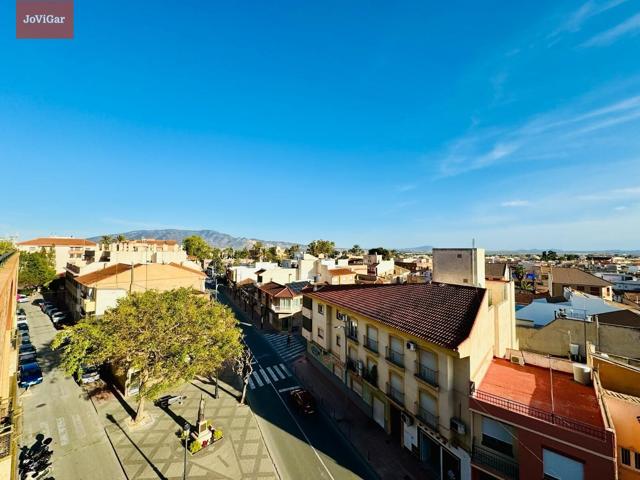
x,y
44,429
257,377
273,375
62,431
277,370
245,324
285,370
288,389
77,423
251,385
266,377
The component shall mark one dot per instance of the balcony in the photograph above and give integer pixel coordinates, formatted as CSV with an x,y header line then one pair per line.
x,y
397,358
351,365
371,377
395,394
426,417
491,460
9,427
371,344
427,374
352,334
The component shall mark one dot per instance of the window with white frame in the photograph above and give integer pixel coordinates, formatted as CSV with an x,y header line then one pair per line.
x,y
321,309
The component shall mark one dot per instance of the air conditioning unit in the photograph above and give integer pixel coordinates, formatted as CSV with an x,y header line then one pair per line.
x,y
360,367
406,419
457,426
411,346
341,316
516,359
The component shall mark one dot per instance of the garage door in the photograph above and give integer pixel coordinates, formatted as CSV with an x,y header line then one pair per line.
x,y
378,412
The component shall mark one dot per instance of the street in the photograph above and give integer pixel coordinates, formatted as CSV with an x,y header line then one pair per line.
x,y
58,408
301,446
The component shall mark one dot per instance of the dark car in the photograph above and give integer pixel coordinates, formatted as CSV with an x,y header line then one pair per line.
x,y
303,401
30,374
27,358
23,327
24,337
90,374
26,349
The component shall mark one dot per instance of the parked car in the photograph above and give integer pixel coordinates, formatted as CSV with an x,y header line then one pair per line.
x,y
90,374
50,308
30,374
23,327
24,336
58,318
26,349
21,314
27,358
44,305
303,400
22,298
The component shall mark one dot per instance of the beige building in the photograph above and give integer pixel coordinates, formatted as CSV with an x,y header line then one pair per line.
x,y
66,249
581,281
95,292
459,265
10,410
280,305
408,352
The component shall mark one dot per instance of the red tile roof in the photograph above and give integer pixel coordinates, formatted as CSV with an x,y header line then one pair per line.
x,y
531,385
575,276
442,314
340,271
276,290
58,241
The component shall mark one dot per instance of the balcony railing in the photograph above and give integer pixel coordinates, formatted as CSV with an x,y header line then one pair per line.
x,y
427,374
397,358
539,414
370,377
371,344
395,394
351,365
352,334
489,459
426,417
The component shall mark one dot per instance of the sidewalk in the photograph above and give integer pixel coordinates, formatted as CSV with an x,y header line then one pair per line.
x,y
388,459
155,450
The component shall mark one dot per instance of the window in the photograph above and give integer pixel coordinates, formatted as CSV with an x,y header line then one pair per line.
x,y
321,309
338,340
559,467
625,456
637,458
580,288
320,332
459,255
307,302
497,436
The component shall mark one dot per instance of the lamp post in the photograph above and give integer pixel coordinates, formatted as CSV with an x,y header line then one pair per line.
x,y
185,430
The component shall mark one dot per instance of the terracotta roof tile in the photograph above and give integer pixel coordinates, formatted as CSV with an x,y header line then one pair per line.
x,y
340,271
575,276
60,241
442,314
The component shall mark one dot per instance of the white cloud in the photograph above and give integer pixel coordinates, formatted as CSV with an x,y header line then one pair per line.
x,y
406,187
586,11
630,26
516,203
619,208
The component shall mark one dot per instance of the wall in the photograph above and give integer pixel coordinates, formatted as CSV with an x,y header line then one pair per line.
x,y
455,265
553,338
8,290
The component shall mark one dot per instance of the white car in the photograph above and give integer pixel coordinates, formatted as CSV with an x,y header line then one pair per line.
x,y
23,298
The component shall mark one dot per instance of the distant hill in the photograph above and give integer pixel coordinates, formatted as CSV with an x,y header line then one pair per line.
x,y
422,249
212,237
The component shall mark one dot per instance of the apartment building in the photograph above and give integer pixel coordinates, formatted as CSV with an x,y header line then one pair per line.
x,y
66,249
581,281
147,250
9,407
406,354
281,305
532,419
95,292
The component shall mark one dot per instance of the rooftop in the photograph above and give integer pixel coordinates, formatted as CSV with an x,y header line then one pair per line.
x,y
340,271
442,314
531,386
495,269
151,272
57,241
575,276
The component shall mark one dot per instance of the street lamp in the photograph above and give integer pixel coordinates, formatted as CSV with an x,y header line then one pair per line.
x,y
185,430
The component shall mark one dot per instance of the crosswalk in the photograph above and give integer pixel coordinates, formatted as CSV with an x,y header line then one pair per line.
x,y
61,430
287,352
263,376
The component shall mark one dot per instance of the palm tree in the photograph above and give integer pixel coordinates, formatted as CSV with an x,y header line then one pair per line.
x,y
106,240
356,250
121,238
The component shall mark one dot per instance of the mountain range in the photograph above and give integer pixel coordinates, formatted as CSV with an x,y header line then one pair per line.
x,y
212,237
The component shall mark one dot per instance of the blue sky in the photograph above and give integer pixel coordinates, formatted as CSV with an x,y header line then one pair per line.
x,y
514,123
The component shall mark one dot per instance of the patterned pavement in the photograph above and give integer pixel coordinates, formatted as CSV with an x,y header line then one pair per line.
x,y
155,451
288,352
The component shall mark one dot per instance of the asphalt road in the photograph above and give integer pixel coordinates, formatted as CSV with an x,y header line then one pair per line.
x,y
302,446
58,408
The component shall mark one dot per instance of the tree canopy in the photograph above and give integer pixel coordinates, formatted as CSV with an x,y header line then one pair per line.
x,y
167,337
356,250
320,247
36,269
292,251
6,246
197,246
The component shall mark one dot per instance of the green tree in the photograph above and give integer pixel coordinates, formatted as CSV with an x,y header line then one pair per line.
x,y
6,246
217,261
386,254
121,238
196,246
37,269
292,251
321,247
106,240
168,338
257,251
271,254
356,250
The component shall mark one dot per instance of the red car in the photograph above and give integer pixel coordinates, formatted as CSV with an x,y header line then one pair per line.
x,y
303,401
